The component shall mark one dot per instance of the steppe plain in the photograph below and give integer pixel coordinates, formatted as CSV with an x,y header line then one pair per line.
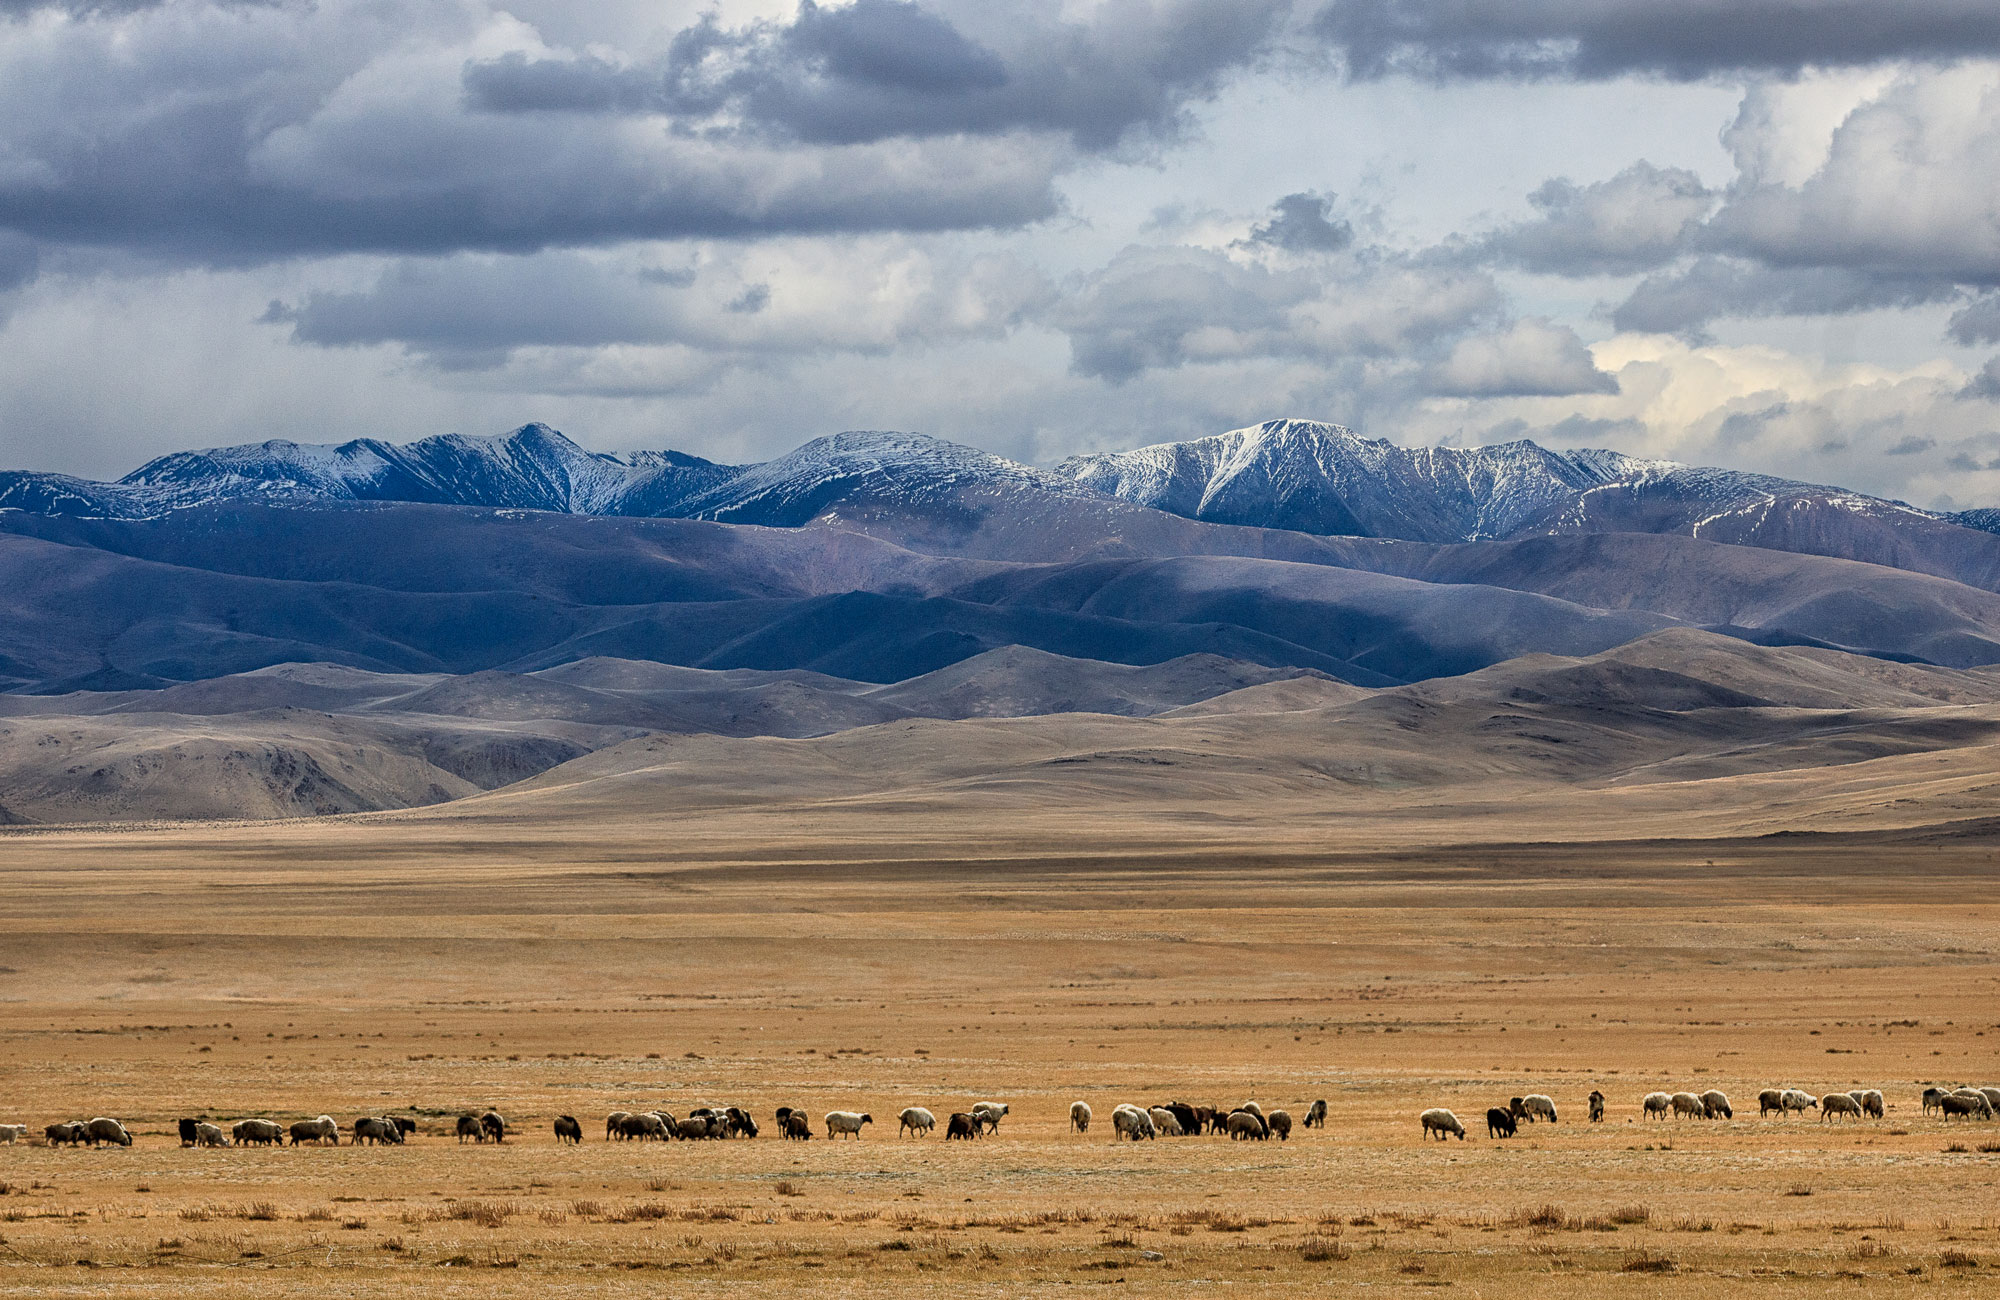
x,y
1036,911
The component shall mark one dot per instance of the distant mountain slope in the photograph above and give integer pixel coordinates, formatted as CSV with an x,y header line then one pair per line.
x,y
1322,478
1298,476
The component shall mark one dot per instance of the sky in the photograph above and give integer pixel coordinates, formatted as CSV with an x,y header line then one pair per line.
x,y
1763,234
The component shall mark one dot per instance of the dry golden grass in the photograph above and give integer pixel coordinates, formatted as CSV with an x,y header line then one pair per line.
x,y
424,964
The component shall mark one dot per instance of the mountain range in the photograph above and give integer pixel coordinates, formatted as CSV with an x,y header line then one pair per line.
x,y
333,629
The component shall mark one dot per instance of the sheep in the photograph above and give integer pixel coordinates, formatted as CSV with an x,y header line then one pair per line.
x,y
1715,1105
1500,1122
495,1126
916,1120
1871,1103
1838,1103
568,1130
257,1132
404,1125
1245,1126
612,1123
848,1122
797,1127
1281,1123
1932,1096
209,1135
1079,1117
638,1127
692,1129
987,1114
322,1130
1686,1105
1129,1121
187,1132
1799,1101
1316,1114
1973,1107
1992,1096
960,1128
373,1129
12,1133
468,1127
1186,1118
1440,1121
1210,1119
1656,1104
1533,1107
1166,1123
102,1129
69,1133
1770,1099
742,1123
1252,1107
1596,1107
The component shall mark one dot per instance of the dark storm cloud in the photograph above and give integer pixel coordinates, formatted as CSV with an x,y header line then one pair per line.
x,y
1304,223
226,135
883,69
1680,39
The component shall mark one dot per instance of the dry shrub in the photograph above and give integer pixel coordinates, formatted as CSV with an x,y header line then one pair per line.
x,y
1799,1189
587,1209
1631,1214
487,1214
1321,1248
317,1214
1957,1259
641,1211
197,1213
1688,1223
1546,1217
1649,1264
353,1225
789,1188
1870,1250
262,1211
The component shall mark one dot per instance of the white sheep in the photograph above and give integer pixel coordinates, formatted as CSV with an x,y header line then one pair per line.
x,y
915,1120
1253,1108
1079,1116
1838,1103
1933,1097
1656,1104
1992,1096
986,1115
1536,1106
846,1121
1131,1122
12,1133
103,1129
1442,1122
210,1135
1872,1104
1687,1105
1715,1105
1799,1101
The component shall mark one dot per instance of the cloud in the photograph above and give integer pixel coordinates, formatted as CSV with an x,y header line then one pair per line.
x,y
876,70
1160,308
1639,219
1304,223
1687,299
1978,321
233,135
1529,358
1680,39
1905,186
782,299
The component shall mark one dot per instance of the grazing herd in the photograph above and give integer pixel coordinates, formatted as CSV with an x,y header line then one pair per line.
x,y
1248,1122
